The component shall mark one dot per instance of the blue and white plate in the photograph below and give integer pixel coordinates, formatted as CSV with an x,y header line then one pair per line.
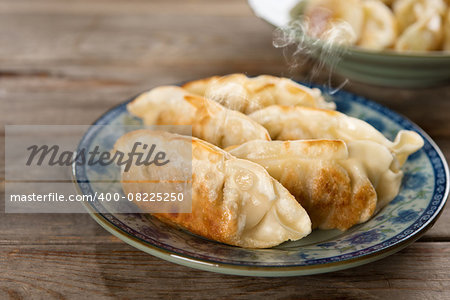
x,y
422,197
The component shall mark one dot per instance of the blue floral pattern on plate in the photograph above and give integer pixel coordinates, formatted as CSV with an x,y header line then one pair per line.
x,y
422,196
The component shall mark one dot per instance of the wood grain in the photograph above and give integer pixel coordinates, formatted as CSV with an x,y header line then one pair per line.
x,y
67,62
117,270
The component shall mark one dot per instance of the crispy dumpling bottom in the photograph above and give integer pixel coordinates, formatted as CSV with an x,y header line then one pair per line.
x,y
234,201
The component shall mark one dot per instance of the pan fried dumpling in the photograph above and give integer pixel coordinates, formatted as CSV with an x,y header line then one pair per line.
x,y
339,185
380,26
244,94
408,12
424,35
387,2
329,20
446,45
172,105
294,123
234,201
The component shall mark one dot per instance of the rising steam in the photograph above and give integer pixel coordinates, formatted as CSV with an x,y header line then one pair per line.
x,y
300,49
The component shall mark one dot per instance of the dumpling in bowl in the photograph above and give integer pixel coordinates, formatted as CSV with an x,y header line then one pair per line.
x,y
244,94
446,45
234,201
380,27
338,184
294,123
424,35
408,12
388,2
338,21
172,105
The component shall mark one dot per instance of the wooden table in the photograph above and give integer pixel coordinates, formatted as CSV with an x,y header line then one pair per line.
x,y
67,62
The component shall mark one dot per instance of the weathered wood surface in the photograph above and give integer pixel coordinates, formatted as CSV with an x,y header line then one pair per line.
x,y
116,270
67,62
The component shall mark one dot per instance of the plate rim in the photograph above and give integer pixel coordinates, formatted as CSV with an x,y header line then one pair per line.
x,y
292,270
259,271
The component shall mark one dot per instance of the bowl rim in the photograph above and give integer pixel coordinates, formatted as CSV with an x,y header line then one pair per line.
x,y
296,10
396,54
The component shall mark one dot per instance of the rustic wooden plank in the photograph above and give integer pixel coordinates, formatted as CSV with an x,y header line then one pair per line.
x,y
77,99
68,62
117,270
133,39
120,7
97,90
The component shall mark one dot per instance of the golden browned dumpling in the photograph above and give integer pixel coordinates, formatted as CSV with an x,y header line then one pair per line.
x,y
408,12
338,21
338,184
380,27
294,123
234,201
446,45
426,34
388,2
244,94
172,105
